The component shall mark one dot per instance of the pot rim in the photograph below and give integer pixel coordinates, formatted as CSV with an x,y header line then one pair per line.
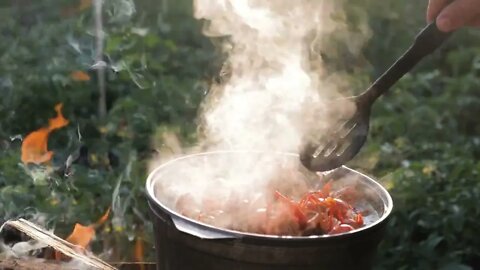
x,y
238,234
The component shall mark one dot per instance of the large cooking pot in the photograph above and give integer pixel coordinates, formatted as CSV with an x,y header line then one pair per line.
x,y
186,244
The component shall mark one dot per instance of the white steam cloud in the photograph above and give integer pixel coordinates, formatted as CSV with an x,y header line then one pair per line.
x,y
274,95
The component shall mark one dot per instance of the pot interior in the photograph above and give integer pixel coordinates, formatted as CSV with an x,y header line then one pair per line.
x,y
219,176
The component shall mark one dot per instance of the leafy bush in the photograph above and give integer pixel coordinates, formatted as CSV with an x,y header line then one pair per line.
x,y
155,68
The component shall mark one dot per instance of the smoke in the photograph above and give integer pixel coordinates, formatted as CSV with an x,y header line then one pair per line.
x,y
275,94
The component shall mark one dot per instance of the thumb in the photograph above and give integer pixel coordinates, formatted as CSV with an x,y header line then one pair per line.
x,y
434,8
459,13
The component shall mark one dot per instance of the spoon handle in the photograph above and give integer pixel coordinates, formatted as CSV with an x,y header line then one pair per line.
x,y
426,42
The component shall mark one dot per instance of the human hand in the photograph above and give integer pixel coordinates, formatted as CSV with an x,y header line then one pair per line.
x,y
452,15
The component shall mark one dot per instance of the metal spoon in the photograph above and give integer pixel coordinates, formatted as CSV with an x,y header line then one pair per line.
x,y
347,141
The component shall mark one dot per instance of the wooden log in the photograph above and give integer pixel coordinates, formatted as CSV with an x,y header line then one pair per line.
x,y
31,264
40,264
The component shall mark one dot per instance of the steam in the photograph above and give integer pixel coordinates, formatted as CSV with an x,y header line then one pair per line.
x,y
274,96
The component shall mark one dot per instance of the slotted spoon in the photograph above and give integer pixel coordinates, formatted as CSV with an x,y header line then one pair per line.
x,y
344,143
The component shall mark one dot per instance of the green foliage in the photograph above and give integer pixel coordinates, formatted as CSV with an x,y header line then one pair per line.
x,y
424,144
156,63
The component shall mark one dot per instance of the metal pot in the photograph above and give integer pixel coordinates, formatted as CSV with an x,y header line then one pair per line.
x,y
185,244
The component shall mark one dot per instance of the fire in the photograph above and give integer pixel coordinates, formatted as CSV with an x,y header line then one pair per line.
x,y
138,252
103,218
34,146
80,76
77,8
81,235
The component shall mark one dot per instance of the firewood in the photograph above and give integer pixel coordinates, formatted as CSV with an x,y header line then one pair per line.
x,y
31,264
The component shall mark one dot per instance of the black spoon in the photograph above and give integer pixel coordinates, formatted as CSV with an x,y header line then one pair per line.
x,y
347,141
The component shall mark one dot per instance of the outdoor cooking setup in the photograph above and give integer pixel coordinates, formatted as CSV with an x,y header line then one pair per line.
x,y
186,242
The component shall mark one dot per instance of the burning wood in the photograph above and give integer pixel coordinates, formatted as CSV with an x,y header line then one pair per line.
x,y
34,146
55,242
31,264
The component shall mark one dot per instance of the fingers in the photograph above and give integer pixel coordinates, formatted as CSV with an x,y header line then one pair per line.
x,y
434,8
459,13
475,22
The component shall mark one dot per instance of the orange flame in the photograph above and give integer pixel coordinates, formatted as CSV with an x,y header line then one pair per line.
x,y
72,10
79,76
138,252
103,218
34,146
83,235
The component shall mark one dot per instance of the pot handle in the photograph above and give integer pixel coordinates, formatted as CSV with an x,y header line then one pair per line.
x,y
187,227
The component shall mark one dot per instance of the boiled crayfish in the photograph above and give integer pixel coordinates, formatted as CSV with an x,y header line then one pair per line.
x,y
319,213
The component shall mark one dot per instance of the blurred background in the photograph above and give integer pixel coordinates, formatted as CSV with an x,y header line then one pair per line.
x,y
424,144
